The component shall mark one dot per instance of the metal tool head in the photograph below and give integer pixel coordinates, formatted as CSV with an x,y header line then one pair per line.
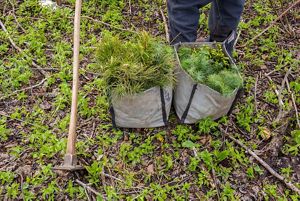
x,y
70,164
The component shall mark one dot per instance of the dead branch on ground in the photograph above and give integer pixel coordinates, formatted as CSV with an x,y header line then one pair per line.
x,y
289,184
272,23
20,50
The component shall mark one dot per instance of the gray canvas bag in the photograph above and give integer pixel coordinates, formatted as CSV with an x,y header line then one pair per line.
x,y
194,101
148,109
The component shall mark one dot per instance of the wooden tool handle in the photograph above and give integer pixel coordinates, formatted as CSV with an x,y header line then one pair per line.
x,y
73,120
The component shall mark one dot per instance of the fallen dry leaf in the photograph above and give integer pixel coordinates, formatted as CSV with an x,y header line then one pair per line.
x,y
205,139
45,105
265,133
150,169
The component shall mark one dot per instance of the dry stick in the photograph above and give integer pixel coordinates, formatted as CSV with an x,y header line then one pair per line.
x,y
288,28
276,10
22,184
9,38
273,23
20,50
284,80
263,163
255,93
13,7
87,194
98,194
166,25
213,175
269,73
113,177
47,69
237,38
109,25
24,89
280,114
294,103
88,188
175,37
276,92
4,9
130,10
216,183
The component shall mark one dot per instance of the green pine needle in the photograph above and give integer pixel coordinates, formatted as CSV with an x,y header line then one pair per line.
x,y
231,79
210,66
134,66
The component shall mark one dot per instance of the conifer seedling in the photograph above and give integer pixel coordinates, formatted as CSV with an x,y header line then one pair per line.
x,y
209,66
134,66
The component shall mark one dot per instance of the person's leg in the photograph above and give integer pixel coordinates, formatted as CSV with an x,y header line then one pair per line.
x,y
223,20
184,19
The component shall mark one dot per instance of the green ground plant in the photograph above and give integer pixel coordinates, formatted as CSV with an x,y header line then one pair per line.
x,y
177,162
293,147
210,66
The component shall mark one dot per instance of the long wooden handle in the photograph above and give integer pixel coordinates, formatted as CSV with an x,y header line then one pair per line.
x,y
73,120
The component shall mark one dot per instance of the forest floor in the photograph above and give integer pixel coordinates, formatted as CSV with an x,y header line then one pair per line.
x,y
177,162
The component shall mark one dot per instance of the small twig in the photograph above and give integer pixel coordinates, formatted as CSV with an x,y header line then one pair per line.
x,y
22,184
273,23
280,114
93,129
166,25
13,7
86,186
20,50
255,93
213,174
237,38
112,177
175,38
240,131
24,89
39,68
195,152
276,10
107,24
276,92
175,181
216,183
9,38
130,10
294,103
284,80
47,69
87,194
263,163
269,73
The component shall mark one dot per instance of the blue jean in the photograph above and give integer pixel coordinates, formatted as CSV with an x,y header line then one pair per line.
x,y
184,16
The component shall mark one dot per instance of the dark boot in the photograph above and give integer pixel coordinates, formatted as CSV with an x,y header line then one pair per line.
x,y
228,43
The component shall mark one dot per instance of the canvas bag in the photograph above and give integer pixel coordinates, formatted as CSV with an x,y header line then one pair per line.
x,y
148,109
194,101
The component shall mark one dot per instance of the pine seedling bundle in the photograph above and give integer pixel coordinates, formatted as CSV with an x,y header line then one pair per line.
x,y
210,66
134,66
